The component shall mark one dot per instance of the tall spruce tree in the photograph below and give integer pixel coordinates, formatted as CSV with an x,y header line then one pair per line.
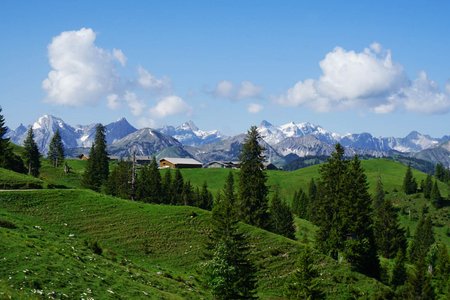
x,y
439,172
399,274
56,150
8,159
149,188
427,187
97,168
253,192
389,236
119,181
229,271
419,285
409,182
205,200
167,190
31,154
305,282
333,194
282,220
177,188
435,196
359,247
423,238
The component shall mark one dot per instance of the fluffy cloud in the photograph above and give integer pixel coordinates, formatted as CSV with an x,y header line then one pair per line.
x,y
148,81
136,105
349,79
422,96
81,72
245,90
367,79
254,108
170,105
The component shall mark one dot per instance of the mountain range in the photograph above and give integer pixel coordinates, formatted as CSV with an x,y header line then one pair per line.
x,y
282,143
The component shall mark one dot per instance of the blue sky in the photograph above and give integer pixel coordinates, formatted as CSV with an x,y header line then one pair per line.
x,y
355,66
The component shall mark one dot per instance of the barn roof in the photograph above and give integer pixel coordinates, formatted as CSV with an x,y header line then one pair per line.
x,y
181,161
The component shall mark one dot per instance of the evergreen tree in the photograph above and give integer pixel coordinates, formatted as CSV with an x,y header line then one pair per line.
x,y
8,159
399,274
409,182
359,247
389,236
378,200
300,205
439,172
253,192
333,192
167,190
313,192
31,154
435,196
206,198
305,282
423,239
177,188
149,186
228,190
119,181
188,196
230,273
97,168
56,150
282,220
442,270
427,187
419,285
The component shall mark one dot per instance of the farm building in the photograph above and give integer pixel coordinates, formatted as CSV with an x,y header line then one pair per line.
x,y
83,157
179,163
222,165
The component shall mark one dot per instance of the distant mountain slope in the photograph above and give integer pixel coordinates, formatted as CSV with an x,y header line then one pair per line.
x,y
438,154
190,135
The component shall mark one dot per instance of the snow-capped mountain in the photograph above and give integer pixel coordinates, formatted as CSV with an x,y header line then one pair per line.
x,y
190,135
80,136
147,142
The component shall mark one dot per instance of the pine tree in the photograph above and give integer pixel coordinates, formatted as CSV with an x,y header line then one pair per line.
x,y
188,194
419,285
427,187
149,187
435,196
253,192
206,198
56,150
359,247
281,218
439,172
230,273
177,188
8,159
399,274
409,182
167,190
313,191
31,154
119,181
97,168
423,239
333,192
442,273
378,200
389,236
305,283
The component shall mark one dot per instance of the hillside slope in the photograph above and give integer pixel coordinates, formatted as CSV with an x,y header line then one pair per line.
x,y
138,241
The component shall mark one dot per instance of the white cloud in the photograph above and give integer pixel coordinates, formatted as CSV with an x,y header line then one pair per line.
x,y
248,90
118,54
81,72
245,90
224,89
148,81
113,101
349,79
170,105
136,105
422,96
254,108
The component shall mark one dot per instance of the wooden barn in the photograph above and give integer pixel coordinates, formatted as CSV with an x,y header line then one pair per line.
x,y
179,163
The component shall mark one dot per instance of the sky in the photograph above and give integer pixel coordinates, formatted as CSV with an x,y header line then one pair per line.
x,y
350,66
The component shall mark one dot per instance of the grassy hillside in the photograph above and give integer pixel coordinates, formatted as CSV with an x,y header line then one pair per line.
x,y
13,180
57,177
152,249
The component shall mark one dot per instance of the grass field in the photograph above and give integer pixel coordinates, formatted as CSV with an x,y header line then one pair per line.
x,y
154,249
13,180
